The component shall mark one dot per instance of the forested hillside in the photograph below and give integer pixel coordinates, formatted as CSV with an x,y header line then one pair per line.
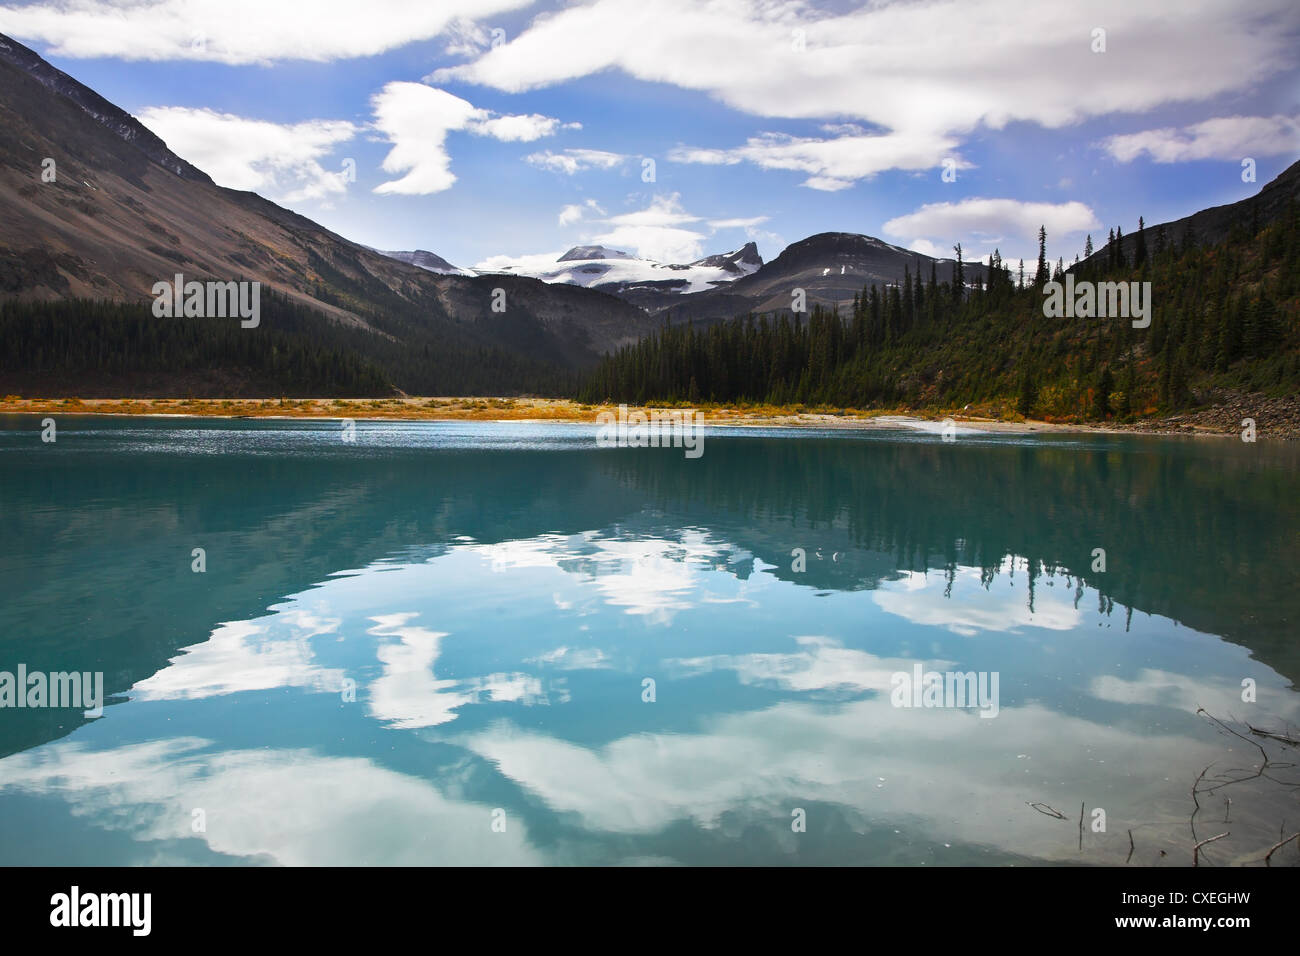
x,y
92,349
1224,316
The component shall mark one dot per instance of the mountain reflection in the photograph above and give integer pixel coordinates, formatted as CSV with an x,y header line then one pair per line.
x,y
445,628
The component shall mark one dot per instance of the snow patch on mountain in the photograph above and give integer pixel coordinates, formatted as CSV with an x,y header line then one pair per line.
x,y
594,266
426,260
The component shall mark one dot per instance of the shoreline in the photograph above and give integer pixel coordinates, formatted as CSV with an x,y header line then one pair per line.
x,y
548,410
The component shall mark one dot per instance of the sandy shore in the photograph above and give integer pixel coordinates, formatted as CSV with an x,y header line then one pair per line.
x,y
563,410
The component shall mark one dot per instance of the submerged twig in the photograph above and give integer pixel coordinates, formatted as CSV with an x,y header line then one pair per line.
x,y
1277,846
1262,752
1196,850
1282,737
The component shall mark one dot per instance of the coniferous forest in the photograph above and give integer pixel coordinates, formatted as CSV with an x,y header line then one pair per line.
x,y
1223,315
101,348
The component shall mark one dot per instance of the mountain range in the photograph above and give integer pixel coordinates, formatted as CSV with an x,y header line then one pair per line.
x,y
95,206
123,212
643,282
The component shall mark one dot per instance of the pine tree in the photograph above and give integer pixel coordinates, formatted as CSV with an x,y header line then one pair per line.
x,y
1028,392
1127,404
1101,398
1041,276
1140,256
909,304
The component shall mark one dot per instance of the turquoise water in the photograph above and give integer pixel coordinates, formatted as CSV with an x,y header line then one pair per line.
x,y
432,645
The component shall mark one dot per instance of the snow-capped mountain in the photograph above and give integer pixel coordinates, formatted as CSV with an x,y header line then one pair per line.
x,y
427,260
641,281
831,268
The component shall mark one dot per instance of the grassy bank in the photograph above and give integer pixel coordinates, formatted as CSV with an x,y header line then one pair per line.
x,y
1271,422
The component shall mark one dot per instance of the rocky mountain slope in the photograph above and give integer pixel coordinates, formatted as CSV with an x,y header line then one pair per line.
x,y
93,205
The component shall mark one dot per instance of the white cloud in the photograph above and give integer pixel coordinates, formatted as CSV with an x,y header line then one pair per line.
x,y
282,160
744,764
572,161
417,118
409,693
927,248
921,72
267,804
247,655
574,212
820,664
521,129
747,224
974,609
660,231
241,31
465,38
833,164
573,659
1153,686
1226,137
984,222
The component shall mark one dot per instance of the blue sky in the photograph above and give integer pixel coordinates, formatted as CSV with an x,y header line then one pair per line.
x,y
482,128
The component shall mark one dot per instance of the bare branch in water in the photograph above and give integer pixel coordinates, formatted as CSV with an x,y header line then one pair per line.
x,y
1196,850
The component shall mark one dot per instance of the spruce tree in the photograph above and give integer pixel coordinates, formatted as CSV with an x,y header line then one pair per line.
x,y
1041,276
1101,398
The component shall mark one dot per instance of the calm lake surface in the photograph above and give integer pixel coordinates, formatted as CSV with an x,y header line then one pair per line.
x,y
433,645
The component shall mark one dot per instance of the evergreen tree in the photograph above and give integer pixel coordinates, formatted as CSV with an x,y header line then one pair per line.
x,y
1041,276
1101,397
1028,392
1128,403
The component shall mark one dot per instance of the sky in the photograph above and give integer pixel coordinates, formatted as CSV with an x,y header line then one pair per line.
x,y
674,129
